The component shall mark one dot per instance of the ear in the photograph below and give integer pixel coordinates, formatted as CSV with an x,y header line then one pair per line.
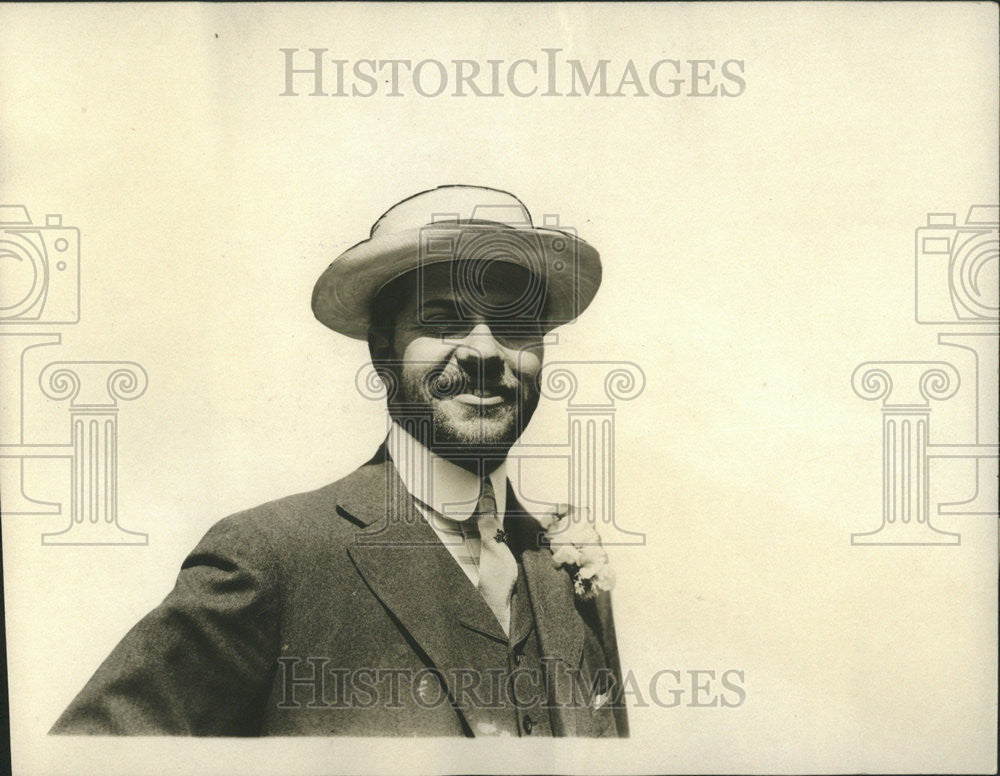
x,y
380,348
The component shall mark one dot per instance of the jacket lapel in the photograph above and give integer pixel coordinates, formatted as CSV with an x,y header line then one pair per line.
x,y
413,574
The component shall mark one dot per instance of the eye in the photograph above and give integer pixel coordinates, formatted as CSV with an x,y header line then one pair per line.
x,y
449,327
444,323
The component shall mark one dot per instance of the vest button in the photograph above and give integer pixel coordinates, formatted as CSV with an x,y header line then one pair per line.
x,y
518,656
528,724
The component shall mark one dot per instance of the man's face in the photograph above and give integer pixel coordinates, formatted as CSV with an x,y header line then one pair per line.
x,y
466,359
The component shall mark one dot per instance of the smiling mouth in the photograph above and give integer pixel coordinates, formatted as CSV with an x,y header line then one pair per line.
x,y
480,398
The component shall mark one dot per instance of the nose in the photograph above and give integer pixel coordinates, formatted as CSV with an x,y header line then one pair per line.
x,y
479,343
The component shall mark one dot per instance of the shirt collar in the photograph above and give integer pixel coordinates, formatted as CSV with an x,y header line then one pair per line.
x,y
438,483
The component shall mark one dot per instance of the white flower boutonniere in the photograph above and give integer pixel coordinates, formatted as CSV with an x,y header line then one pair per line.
x,y
575,544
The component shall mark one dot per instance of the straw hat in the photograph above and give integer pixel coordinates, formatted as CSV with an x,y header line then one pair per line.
x,y
457,224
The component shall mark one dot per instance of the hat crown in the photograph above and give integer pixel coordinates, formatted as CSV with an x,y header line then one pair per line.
x,y
454,204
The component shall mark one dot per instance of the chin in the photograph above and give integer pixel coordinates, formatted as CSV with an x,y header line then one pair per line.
x,y
479,431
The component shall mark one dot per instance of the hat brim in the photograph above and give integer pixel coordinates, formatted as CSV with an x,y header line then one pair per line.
x,y
569,268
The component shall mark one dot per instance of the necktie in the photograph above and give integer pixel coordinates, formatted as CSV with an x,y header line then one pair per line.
x,y
497,567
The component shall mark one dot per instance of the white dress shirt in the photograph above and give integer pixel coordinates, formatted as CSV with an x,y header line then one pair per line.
x,y
446,495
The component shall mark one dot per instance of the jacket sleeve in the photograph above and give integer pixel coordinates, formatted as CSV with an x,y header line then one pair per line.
x,y
202,662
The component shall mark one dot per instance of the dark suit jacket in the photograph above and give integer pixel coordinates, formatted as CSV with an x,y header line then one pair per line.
x,y
278,608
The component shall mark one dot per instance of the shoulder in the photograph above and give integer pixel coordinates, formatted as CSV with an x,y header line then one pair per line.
x,y
290,524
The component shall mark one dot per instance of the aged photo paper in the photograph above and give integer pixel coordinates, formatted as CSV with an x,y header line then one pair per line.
x,y
762,367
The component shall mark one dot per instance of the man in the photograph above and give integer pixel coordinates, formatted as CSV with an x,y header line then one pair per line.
x,y
415,596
